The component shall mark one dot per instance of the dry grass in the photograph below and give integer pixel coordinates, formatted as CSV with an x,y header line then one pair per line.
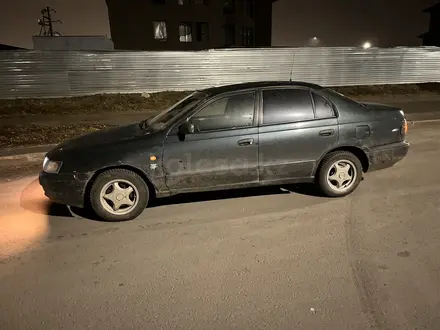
x,y
389,90
32,135
102,103
105,103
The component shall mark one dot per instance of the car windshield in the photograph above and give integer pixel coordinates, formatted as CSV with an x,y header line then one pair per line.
x,y
165,117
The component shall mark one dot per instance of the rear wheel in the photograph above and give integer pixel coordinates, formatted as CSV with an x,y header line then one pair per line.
x,y
340,173
119,195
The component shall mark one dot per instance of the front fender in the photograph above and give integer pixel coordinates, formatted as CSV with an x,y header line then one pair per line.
x,y
89,162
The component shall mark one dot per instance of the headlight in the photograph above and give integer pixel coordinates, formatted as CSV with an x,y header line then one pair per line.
x,y
50,166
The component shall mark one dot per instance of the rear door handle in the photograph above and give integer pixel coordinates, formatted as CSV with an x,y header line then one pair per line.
x,y
245,142
327,132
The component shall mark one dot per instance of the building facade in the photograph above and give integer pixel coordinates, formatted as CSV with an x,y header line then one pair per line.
x,y
189,24
432,37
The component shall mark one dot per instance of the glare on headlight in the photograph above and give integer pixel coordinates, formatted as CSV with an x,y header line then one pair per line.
x,y
50,166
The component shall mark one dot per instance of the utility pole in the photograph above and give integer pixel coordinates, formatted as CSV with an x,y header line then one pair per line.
x,y
46,22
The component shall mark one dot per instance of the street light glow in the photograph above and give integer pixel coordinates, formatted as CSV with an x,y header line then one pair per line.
x,y
314,41
366,45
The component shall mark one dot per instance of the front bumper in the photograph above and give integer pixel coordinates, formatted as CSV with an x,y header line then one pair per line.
x,y
64,188
387,155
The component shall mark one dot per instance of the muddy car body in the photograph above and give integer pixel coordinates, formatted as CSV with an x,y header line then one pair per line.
x,y
236,136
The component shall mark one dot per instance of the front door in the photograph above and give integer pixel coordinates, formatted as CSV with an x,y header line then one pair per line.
x,y
223,150
296,127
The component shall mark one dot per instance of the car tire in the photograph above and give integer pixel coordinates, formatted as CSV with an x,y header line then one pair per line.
x,y
119,195
336,170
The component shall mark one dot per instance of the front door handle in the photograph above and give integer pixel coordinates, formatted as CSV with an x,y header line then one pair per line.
x,y
327,132
245,142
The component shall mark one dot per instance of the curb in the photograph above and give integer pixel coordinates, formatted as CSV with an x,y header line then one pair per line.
x,y
27,155
26,150
427,121
16,160
22,156
34,157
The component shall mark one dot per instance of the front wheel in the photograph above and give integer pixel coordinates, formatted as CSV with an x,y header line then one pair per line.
x,y
119,195
339,174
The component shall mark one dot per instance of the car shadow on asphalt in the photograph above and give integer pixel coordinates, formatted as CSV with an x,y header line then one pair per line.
x,y
32,198
302,189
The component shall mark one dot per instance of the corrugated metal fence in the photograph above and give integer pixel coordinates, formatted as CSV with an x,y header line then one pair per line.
x,y
26,74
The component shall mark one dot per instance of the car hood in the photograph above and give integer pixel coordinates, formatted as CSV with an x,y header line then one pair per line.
x,y
102,137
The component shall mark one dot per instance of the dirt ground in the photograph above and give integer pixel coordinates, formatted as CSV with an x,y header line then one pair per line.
x,y
101,103
31,135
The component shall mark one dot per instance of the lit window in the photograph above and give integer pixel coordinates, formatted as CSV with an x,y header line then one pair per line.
x,y
160,30
185,33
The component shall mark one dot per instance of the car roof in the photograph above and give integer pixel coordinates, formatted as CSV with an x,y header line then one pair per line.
x,y
257,84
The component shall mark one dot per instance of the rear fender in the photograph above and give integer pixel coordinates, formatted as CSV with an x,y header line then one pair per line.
x,y
358,151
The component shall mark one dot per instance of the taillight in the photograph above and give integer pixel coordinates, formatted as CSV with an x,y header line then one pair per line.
x,y
404,128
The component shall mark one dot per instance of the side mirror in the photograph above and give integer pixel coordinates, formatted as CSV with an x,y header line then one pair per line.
x,y
186,128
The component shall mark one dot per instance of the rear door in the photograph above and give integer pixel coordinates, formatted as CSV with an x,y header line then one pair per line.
x,y
296,127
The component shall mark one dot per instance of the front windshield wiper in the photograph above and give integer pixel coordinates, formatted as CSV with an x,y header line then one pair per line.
x,y
144,124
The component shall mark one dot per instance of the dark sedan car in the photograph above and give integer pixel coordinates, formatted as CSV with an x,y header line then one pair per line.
x,y
254,134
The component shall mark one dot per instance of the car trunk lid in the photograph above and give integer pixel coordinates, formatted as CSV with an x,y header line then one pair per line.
x,y
391,118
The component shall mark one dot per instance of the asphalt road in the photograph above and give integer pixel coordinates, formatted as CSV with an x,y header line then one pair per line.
x,y
253,259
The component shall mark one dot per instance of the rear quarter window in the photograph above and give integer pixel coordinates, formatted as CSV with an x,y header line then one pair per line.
x,y
323,108
286,106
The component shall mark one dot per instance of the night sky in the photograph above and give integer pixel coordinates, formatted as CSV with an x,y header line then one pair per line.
x,y
334,22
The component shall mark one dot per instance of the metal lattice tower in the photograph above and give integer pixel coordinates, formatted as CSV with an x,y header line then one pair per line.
x,y
46,22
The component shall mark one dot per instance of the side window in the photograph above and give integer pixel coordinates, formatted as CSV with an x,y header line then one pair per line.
x,y
323,108
235,111
287,106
